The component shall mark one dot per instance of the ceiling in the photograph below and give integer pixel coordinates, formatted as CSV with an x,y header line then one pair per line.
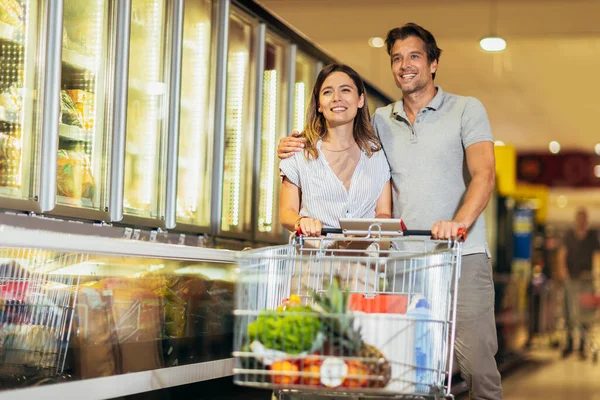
x,y
545,86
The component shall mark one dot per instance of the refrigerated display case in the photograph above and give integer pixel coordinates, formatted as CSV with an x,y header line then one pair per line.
x,y
239,127
74,308
272,127
195,162
145,149
21,77
84,137
306,75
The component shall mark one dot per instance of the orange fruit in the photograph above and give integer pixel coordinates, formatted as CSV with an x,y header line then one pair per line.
x,y
284,373
314,379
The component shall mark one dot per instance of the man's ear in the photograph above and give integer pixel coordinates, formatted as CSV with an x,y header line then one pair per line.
x,y
433,67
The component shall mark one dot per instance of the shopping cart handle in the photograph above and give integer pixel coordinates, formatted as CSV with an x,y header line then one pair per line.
x,y
415,232
461,235
324,231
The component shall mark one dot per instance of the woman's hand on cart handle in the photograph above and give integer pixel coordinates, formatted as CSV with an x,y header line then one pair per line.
x,y
308,226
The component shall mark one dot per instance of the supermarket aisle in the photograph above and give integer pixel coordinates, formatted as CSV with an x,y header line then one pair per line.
x,y
546,376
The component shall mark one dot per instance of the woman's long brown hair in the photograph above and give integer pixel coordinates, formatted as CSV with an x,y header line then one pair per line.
x,y
316,124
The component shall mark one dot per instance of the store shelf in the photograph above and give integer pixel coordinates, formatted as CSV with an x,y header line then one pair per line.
x,y
9,33
9,116
87,203
126,384
73,133
10,192
77,60
62,242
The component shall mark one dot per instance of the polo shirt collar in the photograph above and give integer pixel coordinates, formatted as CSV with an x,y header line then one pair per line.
x,y
434,104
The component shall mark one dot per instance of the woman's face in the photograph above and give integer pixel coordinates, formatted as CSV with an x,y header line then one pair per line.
x,y
339,100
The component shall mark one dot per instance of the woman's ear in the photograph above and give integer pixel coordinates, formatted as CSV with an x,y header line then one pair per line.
x,y
361,101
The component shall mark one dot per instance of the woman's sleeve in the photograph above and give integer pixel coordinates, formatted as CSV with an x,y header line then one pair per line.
x,y
288,168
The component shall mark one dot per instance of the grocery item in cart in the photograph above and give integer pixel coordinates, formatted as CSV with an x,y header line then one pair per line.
x,y
316,345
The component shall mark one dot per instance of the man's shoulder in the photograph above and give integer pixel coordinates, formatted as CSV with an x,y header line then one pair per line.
x,y
460,100
384,112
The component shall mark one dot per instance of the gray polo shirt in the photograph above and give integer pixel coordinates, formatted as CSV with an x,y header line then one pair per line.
x,y
428,163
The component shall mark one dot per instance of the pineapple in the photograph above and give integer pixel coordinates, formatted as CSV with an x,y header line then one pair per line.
x,y
343,339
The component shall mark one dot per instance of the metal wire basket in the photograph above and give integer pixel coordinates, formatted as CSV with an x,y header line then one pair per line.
x,y
36,311
394,339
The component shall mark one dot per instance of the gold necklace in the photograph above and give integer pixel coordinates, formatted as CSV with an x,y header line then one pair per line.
x,y
339,151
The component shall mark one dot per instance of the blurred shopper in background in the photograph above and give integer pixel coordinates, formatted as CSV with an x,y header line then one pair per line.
x,y
575,261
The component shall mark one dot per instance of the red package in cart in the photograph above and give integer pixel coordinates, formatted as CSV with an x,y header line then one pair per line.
x,y
379,304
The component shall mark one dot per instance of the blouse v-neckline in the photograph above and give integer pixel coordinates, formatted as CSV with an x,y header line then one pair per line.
x,y
326,161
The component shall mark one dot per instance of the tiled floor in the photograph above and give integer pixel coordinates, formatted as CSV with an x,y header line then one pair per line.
x,y
546,376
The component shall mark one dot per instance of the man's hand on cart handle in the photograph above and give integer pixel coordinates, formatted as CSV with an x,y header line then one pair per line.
x,y
449,230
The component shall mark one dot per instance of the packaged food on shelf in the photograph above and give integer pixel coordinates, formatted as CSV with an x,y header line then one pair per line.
x,y
84,101
69,112
74,176
11,13
94,340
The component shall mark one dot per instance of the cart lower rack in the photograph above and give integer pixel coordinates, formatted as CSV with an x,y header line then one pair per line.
x,y
348,317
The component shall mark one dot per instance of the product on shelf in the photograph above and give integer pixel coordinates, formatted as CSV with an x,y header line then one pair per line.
x,y
84,101
11,12
183,300
10,160
93,336
74,176
69,112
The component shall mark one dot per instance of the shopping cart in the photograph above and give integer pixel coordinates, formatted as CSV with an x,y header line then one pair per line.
x,y
368,316
36,311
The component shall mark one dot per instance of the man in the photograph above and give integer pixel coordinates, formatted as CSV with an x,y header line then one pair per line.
x,y
575,260
440,150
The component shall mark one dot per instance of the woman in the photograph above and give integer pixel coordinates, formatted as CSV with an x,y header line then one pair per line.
x,y
342,171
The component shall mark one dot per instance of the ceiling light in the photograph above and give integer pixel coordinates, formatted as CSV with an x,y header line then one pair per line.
x,y
597,148
597,171
492,43
499,143
376,42
554,147
562,201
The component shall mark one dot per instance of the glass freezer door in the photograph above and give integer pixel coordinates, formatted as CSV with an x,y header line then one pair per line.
x,y
20,107
146,111
83,145
195,132
239,127
273,127
306,74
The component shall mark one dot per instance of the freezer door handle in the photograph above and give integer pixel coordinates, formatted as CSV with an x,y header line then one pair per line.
x,y
174,110
121,77
51,105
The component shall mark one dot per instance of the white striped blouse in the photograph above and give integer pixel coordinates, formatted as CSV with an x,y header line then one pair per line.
x,y
324,196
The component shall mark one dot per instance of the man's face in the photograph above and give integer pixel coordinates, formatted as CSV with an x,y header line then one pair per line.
x,y
581,220
412,72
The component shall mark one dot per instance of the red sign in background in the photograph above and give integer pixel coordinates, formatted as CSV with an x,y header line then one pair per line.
x,y
570,169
